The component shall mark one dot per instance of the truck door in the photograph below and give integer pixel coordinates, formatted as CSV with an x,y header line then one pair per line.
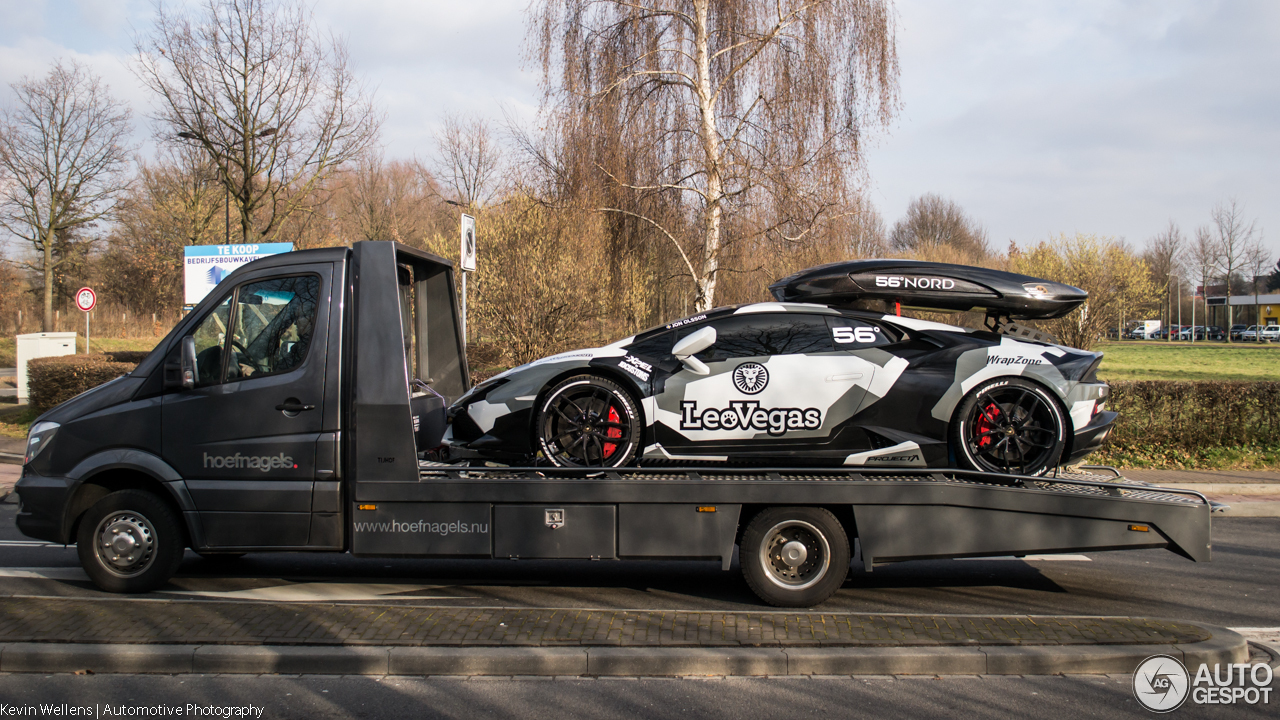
x,y
246,438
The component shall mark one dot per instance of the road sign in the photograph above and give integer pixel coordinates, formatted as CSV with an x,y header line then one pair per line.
x,y
468,254
86,299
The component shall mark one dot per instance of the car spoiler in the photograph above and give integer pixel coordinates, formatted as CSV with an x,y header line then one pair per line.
x,y
931,286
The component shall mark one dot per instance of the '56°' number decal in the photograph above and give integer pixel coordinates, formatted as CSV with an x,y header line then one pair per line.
x,y
846,335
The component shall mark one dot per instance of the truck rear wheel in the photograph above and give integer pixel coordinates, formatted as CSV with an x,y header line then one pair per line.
x,y
129,542
794,556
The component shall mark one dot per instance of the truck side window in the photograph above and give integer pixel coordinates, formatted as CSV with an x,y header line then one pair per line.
x,y
273,324
210,336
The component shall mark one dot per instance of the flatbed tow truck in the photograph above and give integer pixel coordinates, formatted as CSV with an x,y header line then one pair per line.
x,y
296,409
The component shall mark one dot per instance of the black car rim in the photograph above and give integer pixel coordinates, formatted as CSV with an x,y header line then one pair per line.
x,y
586,426
1012,429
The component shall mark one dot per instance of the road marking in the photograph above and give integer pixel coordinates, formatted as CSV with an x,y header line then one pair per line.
x,y
321,592
37,573
1264,634
1037,558
31,543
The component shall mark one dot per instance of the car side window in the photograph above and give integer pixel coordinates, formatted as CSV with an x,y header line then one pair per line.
x,y
210,336
273,322
852,334
766,334
656,347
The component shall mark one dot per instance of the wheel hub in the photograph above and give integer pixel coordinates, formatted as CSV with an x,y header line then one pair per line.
x,y
125,542
794,553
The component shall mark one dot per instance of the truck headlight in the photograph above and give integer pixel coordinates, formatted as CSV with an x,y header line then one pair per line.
x,y
38,439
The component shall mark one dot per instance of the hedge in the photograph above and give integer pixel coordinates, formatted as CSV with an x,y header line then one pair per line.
x,y
54,380
1194,416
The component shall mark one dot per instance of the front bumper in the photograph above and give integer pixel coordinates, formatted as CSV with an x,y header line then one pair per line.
x,y
1091,436
42,502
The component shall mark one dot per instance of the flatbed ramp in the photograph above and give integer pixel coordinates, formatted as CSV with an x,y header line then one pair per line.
x,y
899,514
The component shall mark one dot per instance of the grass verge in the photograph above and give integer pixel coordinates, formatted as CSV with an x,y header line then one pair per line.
x,y
1155,360
14,420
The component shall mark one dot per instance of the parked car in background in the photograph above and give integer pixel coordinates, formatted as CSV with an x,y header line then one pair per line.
x,y
1237,331
1187,330
1250,334
1271,333
1213,332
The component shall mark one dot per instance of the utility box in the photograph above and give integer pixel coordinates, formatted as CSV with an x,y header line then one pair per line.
x,y
38,345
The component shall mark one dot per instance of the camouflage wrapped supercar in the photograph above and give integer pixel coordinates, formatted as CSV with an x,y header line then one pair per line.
x,y
830,374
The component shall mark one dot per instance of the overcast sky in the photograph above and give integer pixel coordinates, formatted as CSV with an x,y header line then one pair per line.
x,y
1036,117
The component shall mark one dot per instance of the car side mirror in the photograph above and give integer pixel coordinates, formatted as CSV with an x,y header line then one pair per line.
x,y
691,345
188,362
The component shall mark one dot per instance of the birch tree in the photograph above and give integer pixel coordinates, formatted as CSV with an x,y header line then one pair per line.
x,y
723,106
63,157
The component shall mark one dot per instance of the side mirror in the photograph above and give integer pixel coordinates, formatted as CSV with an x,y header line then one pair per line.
x,y
188,362
691,345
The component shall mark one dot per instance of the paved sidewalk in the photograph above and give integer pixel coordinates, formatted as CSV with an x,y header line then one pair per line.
x,y
251,623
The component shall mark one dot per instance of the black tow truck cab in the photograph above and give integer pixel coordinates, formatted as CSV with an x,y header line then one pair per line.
x,y
295,407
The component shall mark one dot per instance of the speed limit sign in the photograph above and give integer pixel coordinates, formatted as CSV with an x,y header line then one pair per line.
x,y
86,299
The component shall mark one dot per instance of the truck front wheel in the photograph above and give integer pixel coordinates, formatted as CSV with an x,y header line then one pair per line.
x,y
129,542
794,556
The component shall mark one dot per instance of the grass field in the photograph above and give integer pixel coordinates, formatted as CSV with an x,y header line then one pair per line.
x,y
9,354
1155,360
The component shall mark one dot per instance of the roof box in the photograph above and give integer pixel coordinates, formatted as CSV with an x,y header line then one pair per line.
x,y
931,286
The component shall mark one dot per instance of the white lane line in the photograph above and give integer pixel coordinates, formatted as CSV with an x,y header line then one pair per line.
x,y
38,573
31,543
321,592
1263,634
1037,558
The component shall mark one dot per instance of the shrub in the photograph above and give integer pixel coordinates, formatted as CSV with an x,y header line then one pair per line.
x,y
1194,416
55,380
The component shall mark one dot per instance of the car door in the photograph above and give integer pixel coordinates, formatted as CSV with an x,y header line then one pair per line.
x,y
776,383
245,438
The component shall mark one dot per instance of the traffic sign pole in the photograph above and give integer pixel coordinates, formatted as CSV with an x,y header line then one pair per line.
x,y
467,263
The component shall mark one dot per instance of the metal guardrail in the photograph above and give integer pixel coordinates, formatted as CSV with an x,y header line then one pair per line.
x,y
1078,483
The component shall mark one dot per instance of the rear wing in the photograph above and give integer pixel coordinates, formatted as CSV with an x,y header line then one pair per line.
x,y
931,286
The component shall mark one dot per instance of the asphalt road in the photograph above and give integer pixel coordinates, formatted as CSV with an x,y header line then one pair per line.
x,y
318,696
1239,588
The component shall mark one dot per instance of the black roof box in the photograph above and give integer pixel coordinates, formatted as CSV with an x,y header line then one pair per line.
x,y
932,286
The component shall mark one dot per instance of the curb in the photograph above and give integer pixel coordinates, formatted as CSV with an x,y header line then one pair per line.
x,y
1225,646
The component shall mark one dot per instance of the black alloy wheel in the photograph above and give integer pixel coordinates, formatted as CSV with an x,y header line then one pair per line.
x,y
588,421
1010,426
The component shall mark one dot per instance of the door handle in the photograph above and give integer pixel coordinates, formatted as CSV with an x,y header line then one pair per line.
x,y
292,405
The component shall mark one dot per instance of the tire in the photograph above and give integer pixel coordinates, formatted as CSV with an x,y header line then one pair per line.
x,y
142,524
1011,426
588,421
819,561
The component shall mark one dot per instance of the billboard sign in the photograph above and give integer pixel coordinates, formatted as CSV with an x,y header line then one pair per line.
x,y
204,266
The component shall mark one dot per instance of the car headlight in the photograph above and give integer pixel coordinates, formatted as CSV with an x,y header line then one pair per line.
x,y
38,438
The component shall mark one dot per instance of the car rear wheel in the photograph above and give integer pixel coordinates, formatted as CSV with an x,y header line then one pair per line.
x,y
129,542
794,556
588,421
1011,426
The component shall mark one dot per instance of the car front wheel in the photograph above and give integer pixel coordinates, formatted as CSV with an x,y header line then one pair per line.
x,y
129,542
588,421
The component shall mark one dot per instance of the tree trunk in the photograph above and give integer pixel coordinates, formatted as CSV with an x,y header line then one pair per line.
x,y
47,324
711,150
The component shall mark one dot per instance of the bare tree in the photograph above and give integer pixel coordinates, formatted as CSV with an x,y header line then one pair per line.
x,y
469,160
63,155
933,221
1234,240
393,200
1201,258
1257,258
731,104
1162,255
254,85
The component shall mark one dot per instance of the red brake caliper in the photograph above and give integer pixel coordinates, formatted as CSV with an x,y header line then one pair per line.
x,y
985,423
612,432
